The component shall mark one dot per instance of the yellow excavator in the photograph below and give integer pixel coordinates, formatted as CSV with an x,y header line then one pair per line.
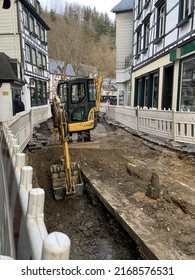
x,y
75,111
80,98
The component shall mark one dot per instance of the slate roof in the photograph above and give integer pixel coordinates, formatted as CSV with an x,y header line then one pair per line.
x,y
123,6
8,69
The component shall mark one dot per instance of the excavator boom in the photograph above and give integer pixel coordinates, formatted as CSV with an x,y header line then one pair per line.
x,y
66,176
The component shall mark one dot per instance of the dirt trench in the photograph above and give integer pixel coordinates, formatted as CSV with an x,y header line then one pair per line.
x,y
156,180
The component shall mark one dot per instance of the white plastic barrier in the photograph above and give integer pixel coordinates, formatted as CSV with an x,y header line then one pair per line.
x,y
22,218
170,124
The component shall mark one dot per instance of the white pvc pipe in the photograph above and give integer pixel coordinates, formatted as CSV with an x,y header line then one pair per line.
x,y
36,202
26,177
25,186
16,149
20,160
35,221
56,246
14,142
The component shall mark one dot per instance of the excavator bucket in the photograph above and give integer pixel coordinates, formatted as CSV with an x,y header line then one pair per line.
x,y
60,184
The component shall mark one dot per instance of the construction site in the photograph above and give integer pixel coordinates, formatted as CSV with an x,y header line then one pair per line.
x,y
137,200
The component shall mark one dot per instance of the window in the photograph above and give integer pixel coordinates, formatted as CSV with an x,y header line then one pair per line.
x,y
146,3
25,15
44,61
42,34
139,37
140,6
162,20
38,30
146,89
155,90
78,93
146,34
31,24
34,57
38,91
160,24
39,59
92,91
186,8
78,114
187,101
32,91
62,92
27,53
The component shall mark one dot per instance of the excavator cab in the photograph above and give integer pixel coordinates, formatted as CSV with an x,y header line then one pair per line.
x,y
79,99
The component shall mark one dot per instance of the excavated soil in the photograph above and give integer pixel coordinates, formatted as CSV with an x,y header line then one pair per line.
x,y
155,179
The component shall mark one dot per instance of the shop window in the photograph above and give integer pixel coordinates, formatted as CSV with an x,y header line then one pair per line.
x,y
38,91
187,101
155,86
146,89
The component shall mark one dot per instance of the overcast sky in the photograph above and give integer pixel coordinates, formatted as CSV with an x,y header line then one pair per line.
x,y
101,5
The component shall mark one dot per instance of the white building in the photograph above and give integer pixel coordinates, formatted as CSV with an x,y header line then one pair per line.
x,y
163,74
124,38
23,36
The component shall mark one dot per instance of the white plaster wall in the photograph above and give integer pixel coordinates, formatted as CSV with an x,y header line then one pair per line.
x,y
6,107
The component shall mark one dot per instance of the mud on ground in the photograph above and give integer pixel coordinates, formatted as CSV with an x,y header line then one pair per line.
x,y
157,180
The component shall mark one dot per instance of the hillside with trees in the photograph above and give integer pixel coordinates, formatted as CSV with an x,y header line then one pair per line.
x,y
81,35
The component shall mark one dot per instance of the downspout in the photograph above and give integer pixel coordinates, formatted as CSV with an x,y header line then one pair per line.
x,y
132,94
20,34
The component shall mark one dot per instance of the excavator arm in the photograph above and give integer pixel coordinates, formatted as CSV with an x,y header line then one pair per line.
x,y
99,82
65,176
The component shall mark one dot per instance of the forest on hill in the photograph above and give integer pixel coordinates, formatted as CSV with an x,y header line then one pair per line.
x,y
81,35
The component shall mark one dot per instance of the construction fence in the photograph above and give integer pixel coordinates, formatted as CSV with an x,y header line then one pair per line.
x,y
174,125
23,233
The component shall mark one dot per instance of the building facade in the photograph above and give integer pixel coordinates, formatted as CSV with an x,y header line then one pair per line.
x,y
163,75
124,37
23,36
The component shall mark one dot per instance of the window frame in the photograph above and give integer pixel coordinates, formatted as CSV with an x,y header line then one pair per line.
x,y
28,53
189,79
183,18
146,34
160,28
138,41
26,19
34,56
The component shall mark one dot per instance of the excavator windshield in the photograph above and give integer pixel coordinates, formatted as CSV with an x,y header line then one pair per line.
x,y
63,94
